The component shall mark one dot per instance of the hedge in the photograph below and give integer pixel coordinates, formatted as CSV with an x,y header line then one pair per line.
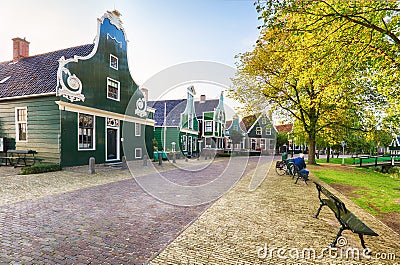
x,y
41,168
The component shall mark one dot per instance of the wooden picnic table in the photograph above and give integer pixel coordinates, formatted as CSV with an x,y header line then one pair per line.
x,y
15,157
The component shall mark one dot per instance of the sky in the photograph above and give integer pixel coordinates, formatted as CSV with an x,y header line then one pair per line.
x,y
161,33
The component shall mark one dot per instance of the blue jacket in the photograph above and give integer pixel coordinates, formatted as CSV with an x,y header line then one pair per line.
x,y
299,162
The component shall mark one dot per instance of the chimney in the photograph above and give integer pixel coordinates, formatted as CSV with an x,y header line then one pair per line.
x,y
20,49
145,92
202,98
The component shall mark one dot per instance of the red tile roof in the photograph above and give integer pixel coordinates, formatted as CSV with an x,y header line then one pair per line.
x,y
284,128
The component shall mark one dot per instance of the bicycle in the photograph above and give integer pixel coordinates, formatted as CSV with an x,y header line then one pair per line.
x,y
285,167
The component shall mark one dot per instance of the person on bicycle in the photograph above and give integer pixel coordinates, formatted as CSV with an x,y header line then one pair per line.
x,y
301,165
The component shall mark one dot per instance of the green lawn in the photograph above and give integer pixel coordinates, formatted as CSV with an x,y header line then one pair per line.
x,y
352,161
375,192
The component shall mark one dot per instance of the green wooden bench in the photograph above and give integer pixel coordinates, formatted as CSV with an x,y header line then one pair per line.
x,y
347,219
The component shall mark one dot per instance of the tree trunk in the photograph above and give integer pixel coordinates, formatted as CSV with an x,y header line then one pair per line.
x,y
328,155
311,149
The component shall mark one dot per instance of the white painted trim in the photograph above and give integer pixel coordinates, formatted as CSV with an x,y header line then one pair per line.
x,y
185,130
29,96
17,123
93,136
141,153
118,141
251,128
138,132
115,57
119,88
66,106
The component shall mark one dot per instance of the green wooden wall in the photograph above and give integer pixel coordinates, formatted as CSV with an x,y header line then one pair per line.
x,y
43,126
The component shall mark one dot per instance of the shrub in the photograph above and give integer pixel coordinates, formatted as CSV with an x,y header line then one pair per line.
x,y
41,168
394,170
377,168
224,155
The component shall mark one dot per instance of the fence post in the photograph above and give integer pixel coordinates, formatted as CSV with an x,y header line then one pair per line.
x,y
124,163
145,160
92,163
159,158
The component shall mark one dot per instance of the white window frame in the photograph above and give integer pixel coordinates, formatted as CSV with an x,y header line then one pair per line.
x,y
138,129
119,88
113,57
264,120
17,123
136,152
235,128
117,128
184,143
268,131
195,144
93,134
210,126
258,130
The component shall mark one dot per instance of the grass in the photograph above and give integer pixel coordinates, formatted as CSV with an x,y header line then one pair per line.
x,y
352,161
375,192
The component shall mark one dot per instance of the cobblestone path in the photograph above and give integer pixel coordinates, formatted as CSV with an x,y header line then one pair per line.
x,y
274,225
113,223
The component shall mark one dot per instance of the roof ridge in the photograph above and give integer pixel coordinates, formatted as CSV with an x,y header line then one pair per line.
x,y
41,54
74,47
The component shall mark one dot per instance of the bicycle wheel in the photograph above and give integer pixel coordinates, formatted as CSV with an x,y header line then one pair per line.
x,y
280,168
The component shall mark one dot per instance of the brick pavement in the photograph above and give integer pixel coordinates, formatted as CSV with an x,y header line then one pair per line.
x,y
240,226
112,223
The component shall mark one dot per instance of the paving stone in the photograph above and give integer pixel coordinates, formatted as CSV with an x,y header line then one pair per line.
x,y
278,214
90,221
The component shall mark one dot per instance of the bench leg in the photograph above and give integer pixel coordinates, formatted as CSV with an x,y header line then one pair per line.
x,y
337,236
362,240
319,209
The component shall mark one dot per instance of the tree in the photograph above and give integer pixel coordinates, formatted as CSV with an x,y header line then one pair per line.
x,y
236,138
368,30
310,84
309,66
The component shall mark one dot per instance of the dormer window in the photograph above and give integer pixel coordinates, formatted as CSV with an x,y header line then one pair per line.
x,y
113,62
112,89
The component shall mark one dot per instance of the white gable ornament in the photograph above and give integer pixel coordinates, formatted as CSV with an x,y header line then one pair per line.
x,y
73,89
141,108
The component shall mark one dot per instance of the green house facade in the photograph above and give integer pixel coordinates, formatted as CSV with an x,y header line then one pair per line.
x,y
261,136
235,125
176,128
81,102
211,115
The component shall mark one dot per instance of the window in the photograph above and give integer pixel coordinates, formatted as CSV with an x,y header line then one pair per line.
x,y
258,131
190,121
113,62
138,152
86,132
194,144
112,89
235,128
21,124
262,144
264,120
268,131
138,129
208,126
184,148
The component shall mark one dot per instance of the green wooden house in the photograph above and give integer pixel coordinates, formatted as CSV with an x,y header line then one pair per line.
x,y
76,103
211,116
238,126
261,135
176,127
